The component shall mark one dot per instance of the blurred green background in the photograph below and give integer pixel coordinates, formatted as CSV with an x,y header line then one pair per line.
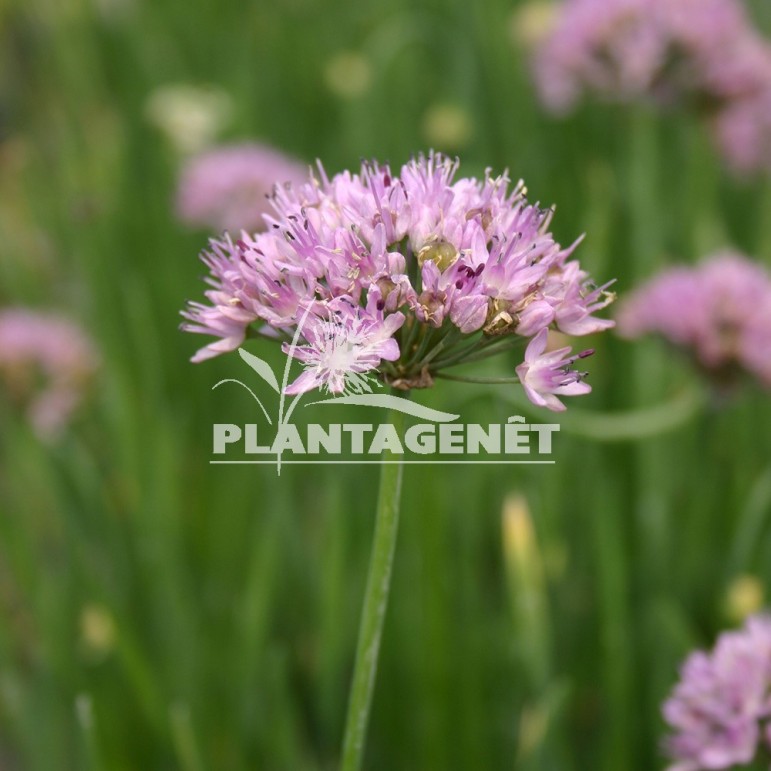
x,y
161,613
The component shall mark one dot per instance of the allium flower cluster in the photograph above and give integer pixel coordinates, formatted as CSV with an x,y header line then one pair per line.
x,y
45,363
721,707
705,52
419,270
718,311
227,188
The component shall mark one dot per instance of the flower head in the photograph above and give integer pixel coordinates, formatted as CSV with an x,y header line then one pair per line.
x,y
717,311
417,268
45,362
720,709
700,52
227,188
630,49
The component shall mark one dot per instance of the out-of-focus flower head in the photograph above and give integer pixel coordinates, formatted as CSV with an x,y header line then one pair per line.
x,y
631,49
190,116
720,709
532,22
46,361
115,11
228,187
717,311
98,631
702,52
421,271
348,74
447,126
744,596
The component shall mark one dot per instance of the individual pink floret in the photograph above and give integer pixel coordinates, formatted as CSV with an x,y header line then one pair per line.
x,y
547,375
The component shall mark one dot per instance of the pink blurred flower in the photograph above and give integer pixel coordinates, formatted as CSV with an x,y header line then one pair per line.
x,y
742,130
702,52
720,708
416,260
45,362
628,49
227,188
717,311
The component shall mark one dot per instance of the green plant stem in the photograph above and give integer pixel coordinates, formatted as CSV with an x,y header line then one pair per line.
x,y
484,351
375,603
479,380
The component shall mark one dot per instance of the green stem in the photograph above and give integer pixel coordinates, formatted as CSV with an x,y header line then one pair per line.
x,y
435,351
84,710
485,351
625,426
426,333
479,380
408,335
375,603
460,355
184,738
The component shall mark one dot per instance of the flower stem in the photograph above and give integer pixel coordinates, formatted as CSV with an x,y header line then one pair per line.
x,y
484,350
375,603
479,380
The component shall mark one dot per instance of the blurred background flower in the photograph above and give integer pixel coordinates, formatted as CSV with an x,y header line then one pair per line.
x,y
447,127
720,708
531,22
700,53
744,597
716,312
191,117
348,74
46,362
229,187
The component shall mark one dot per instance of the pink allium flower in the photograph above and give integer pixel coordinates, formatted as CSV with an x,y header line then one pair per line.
x,y
45,362
546,375
226,188
721,707
705,52
628,49
413,266
717,311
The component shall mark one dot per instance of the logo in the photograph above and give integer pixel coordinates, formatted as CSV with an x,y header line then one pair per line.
x,y
340,363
